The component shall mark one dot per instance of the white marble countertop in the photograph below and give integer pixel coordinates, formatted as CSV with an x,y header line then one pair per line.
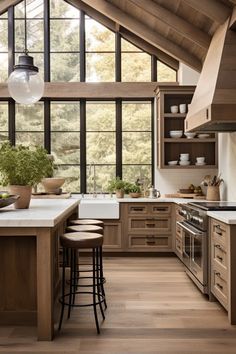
x,y
228,217
41,213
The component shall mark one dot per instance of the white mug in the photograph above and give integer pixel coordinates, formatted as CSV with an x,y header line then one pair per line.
x,y
182,108
174,109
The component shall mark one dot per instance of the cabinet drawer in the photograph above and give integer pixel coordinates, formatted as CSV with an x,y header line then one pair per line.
x,y
179,245
220,232
219,286
179,231
137,209
149,241
162,224
160,209
219,255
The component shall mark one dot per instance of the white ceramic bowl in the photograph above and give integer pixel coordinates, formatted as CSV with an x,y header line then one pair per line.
x,y
203,136
174,109
184,163
176,133
190,135
172,163
184,157
200,159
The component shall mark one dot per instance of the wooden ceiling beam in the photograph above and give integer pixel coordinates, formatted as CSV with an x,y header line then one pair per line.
x,y
141,30
5,4
232,24
214,9
175,22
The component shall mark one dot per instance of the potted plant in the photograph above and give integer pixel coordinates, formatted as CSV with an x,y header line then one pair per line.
x,y
118,186
21,168
134,191
50,183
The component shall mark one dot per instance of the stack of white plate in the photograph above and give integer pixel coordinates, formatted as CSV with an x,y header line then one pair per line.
x,y
184,159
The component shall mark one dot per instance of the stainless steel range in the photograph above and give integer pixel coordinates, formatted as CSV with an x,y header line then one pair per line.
x,y
194,228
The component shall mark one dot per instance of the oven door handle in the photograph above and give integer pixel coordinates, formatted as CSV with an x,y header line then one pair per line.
x,y
190,230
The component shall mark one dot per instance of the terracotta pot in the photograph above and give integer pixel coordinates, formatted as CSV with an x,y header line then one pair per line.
x,y
25,195
120,193
213,193
53,184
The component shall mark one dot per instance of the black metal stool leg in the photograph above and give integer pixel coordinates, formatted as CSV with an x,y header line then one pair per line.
x,y
71,280
75,274
101,277
98,283
63,287
94,292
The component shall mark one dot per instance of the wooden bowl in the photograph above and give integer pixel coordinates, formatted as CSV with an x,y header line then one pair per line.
x,y
135,195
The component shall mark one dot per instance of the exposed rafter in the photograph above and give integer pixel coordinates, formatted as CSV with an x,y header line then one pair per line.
x,y
175,22
139,42
213,9
232,24
145,33
5,4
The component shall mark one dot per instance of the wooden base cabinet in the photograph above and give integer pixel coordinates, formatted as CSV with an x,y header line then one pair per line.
x,y
147,227
223,265
112,236
178,239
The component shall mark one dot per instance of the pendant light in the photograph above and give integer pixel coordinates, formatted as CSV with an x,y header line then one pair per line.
x,y
25,84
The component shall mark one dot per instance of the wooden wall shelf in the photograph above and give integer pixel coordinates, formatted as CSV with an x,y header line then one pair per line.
x,y
169,149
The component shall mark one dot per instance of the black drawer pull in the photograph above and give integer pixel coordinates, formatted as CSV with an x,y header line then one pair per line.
x,y
138,209
219,247
219,286
218,274
160,209
218,230
220,258
150,225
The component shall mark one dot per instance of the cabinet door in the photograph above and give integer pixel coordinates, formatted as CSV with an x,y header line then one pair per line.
x,y
112,235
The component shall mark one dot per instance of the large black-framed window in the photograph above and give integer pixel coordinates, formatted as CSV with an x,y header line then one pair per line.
x,y
67,45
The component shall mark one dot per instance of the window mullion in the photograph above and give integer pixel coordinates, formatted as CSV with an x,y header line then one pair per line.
x,y
119,137
83,170
82,47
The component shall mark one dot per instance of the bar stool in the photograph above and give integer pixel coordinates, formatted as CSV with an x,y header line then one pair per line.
x,y
96,229
74,242
87,222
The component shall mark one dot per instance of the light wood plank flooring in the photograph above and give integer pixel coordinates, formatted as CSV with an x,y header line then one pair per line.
x,y
153,308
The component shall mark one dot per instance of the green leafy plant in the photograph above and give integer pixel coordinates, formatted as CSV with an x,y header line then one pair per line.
x,y
134,188
116,184
20,165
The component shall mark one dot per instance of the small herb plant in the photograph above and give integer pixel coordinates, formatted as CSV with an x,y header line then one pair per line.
x,y
22,166
134,188
116,184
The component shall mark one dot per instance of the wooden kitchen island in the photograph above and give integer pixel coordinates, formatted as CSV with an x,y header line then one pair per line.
x,y
29,262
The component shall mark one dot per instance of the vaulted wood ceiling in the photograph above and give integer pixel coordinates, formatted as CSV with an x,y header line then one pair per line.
x,y
173,30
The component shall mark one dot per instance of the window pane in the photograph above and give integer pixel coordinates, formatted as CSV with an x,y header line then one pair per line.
x,y
65,67
72,176
98,37
102,175
34,9
4,116
136,67
35,35
65,116
100,67
128,47
165,73
3,67
100,116
136,116
132,173
101,148
64,35
136,148
3,36
65,147
3,137
30,117
30,139
60,9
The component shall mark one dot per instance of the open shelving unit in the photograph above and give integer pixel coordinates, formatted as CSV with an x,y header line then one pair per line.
x,y
169,149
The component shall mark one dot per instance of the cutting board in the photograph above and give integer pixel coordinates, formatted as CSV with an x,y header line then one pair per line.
x,y
64,195
185,195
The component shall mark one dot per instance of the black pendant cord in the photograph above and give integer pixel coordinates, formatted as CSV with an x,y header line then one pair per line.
x,y
25,50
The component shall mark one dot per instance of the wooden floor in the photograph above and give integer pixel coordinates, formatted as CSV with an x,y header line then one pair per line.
x,y
153,308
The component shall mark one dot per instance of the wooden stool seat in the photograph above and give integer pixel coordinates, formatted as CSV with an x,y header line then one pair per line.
x,y
86,228
86,222
81,240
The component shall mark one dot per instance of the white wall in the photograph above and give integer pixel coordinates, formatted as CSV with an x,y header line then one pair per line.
x,y
227,165
169,181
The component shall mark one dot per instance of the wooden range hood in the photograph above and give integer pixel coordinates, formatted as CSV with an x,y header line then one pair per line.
x,y
213,107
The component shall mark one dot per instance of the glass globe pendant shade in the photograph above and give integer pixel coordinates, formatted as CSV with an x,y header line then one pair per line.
x,y
25,84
